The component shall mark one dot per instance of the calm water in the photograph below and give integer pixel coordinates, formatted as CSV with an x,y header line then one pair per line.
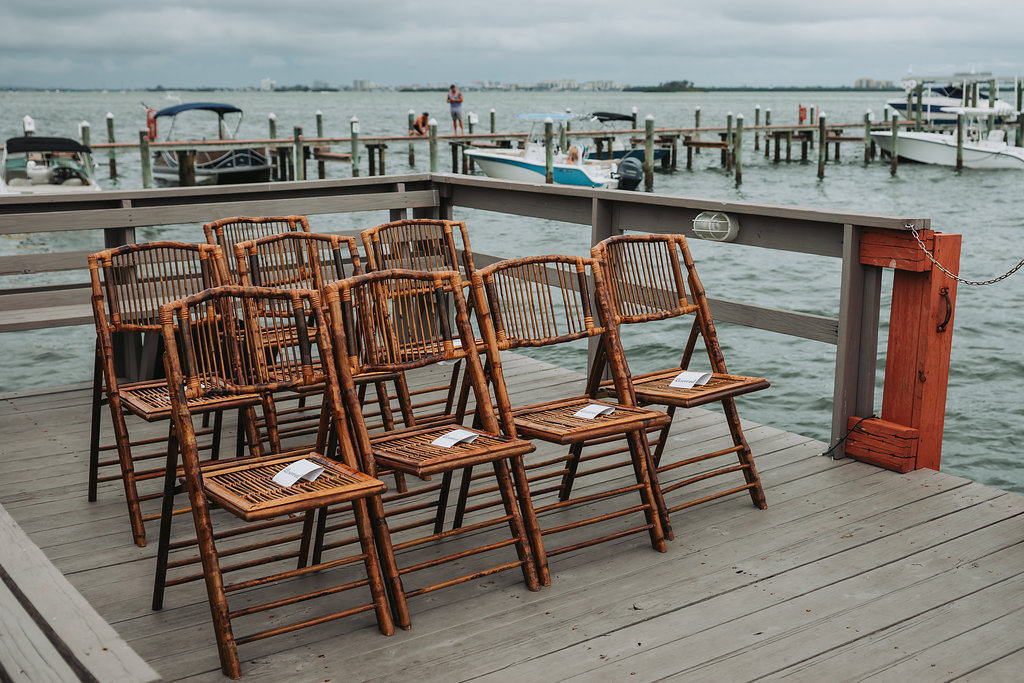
x,y
985,405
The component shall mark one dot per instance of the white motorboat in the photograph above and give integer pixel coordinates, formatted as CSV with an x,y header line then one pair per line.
x,y
981,148
569,167
939,100
41,165
223,167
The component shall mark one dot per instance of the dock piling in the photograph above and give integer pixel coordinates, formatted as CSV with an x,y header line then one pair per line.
x,y
111,155
960,141
300,154
186,168
696,124
549,176
412,151
822,146
649,153
738,150
147,162
354,136
894,162
432,128
757,127
1019,138
321,166
867,137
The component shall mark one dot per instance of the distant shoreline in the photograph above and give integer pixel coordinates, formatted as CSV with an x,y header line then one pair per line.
x,y
638,88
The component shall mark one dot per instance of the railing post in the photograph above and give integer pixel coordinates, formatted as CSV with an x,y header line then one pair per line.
x,y
856,351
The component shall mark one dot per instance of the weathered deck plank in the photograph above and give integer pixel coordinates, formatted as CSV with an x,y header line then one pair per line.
x,y
851,572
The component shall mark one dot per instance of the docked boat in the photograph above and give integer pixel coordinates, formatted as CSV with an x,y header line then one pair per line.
x,y
527,164
623,147
939,100
39,165
220,167
982,148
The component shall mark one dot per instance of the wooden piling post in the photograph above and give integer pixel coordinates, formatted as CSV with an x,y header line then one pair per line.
x,y
493,121
321,166
549,160
634,112
789,146
867,136
1019,138
822,145
919,91
412,151
147,161
432,135
280,167
993,93
354,137
960,141
894,163
28,125
757,127
738,150
467,163
696,124
649,153
767,125
186,168
727,152
300,153
111,155
84,131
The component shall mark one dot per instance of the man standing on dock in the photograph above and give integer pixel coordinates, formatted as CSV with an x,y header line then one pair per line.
x,y
455,100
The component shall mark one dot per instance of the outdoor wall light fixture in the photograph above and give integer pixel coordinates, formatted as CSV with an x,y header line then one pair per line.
x,y
715,226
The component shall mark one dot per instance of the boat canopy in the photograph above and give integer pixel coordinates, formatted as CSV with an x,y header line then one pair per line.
x,y
221,109
603,116
42,144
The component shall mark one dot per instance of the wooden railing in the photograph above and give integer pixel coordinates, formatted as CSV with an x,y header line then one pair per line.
x,y
909,433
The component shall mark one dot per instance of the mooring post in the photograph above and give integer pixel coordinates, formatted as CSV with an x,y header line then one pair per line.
x,y
85,133
867,136
432,134
894,162
471,121
767,132
960,141
563,137
993,93
822,145
354,138
300,154
634,112
757,127
412,152
1019,138
696,124
186,168
549,125
147,162
280,173
727,152
493,121
738,149
919,90
321,166
112,155
649,153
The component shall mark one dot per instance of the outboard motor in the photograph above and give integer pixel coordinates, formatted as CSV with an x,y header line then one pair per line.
x,y
630,173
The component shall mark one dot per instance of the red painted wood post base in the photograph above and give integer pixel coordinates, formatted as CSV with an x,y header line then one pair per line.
x,y
909,433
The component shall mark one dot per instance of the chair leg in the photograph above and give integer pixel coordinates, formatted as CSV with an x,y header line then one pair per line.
x,y
650,491
218,425
94,431
460,506
166,519
524,547
533,532
572,464
663,436
442,502
124,454
746,457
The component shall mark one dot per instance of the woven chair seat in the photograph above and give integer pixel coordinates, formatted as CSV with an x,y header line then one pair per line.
x,y
150,400
413,452
654,388
247,488
556,422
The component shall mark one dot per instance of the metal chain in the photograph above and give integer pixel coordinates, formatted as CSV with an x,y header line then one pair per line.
x,y
957,277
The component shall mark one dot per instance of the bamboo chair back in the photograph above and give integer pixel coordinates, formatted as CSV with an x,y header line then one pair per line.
x,y
296,260
645,277
130,283
418,244
227,232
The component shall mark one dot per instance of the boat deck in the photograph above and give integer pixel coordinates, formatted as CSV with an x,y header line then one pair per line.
x,y
851,572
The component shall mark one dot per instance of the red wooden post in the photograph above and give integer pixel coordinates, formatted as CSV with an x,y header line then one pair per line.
x,y
917,360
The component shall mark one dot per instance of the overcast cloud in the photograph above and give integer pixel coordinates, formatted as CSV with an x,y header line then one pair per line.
x,y
235,43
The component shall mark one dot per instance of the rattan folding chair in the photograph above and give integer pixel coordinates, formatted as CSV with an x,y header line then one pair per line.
x,y
128,286
404,320
646,280
428,245
544,301
236,342
227,232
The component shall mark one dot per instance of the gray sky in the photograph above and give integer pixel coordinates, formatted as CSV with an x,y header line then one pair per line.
x,y
232,43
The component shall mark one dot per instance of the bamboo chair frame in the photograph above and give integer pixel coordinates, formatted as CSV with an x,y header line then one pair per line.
x,y
129,284
549,300
227,232
402,319
653,277
240,341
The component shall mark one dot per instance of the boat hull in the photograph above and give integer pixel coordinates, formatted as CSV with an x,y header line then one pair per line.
x,y
515,167
231,168
940,149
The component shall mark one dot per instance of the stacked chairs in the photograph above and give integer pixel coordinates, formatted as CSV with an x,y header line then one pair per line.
x,y
427,245
404,319
129,284
236,342
544,301
646,279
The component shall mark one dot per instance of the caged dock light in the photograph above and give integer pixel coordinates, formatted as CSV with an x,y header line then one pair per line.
x,y
715,226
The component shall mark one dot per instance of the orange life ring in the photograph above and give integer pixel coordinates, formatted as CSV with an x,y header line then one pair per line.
x,y
151,124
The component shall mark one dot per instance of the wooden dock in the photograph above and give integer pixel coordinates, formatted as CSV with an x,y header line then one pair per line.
x,y
851,572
